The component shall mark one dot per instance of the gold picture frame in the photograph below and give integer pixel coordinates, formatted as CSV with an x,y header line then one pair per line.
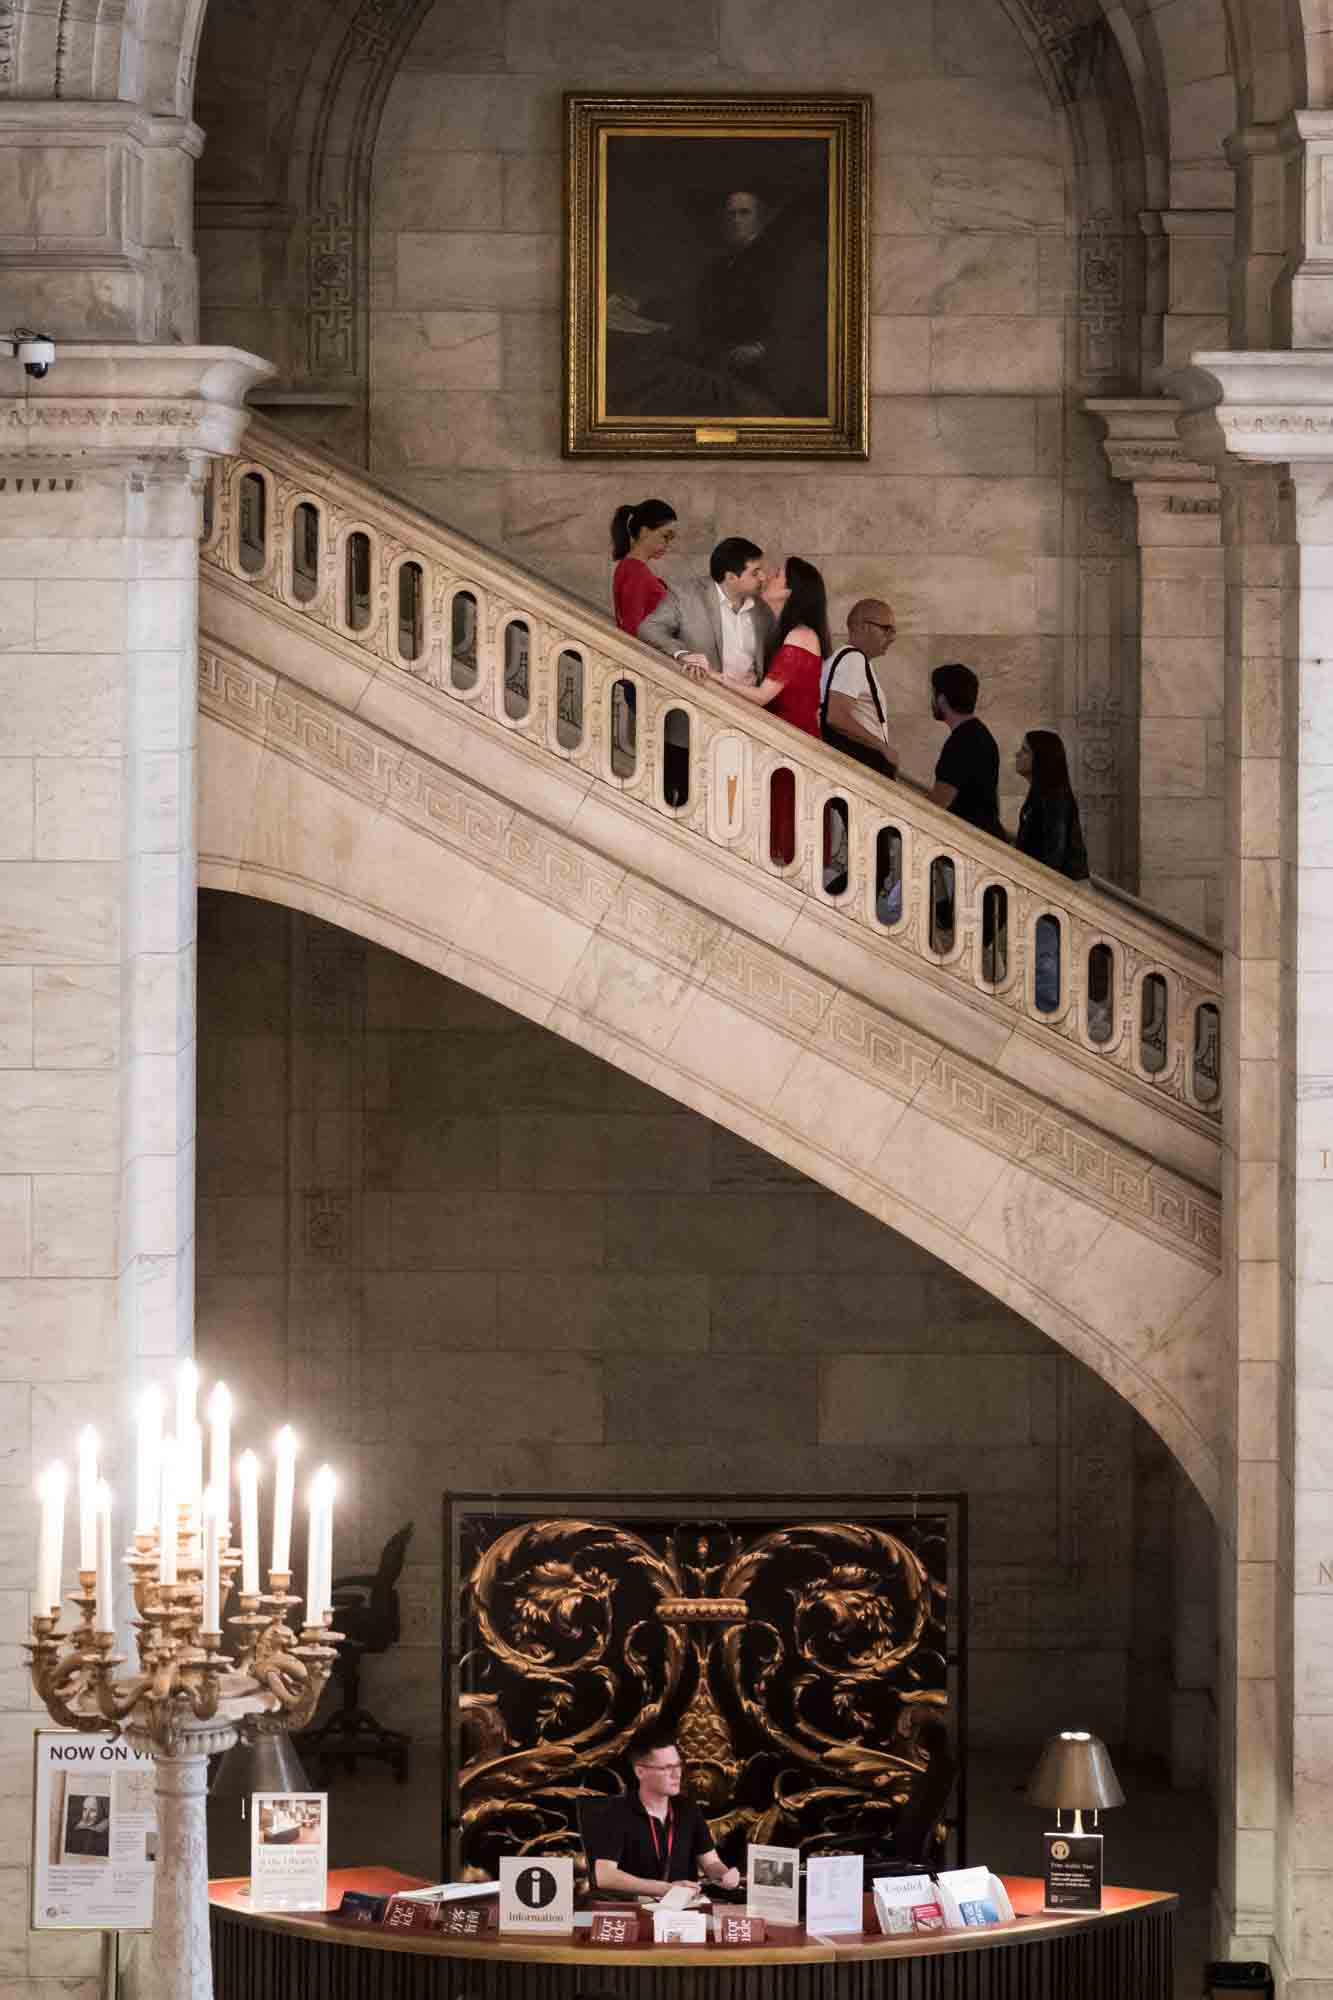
x,y
716,276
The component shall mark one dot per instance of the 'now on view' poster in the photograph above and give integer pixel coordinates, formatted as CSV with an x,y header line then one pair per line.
x,y
94,1834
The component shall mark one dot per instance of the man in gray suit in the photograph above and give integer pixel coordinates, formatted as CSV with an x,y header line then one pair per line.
x,y
710,625
716,624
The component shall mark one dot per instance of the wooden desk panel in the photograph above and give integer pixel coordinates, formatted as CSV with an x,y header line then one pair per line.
x,y
1123,1950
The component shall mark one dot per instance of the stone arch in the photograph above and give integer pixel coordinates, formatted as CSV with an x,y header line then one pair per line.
x,y
642,976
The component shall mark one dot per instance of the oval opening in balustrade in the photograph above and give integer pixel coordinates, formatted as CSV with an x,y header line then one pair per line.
x,y
210,500
569,700
1152,1024
676,758
517,670
252,522
836,862
1101,976
356,582
943,916
1207,1053
411,611
463,640
624,724
995,935
1047,968
889,875
305,551
782,817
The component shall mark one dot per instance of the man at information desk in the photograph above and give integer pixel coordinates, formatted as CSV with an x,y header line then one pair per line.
x,y
642,1843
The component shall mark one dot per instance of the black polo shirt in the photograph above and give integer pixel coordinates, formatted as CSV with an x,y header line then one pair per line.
x,y
653,1849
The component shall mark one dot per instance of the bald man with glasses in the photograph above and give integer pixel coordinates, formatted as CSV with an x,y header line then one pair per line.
x,y
851,709
642,1843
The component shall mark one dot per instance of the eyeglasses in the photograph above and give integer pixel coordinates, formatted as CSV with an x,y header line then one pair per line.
x,y
880,626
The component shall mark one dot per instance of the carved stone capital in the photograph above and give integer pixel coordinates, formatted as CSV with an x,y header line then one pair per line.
x,y
1141,442
118,401
1265,408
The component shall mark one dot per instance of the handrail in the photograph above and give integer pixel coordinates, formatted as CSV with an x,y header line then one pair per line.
x,y
1135,993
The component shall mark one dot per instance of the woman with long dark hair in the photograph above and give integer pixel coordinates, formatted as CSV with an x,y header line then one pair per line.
x,y
794,592
639,536
1049,828
1050,831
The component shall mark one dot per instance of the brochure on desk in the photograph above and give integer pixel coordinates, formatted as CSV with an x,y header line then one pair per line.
x,y
773,1884
957,1899
94,1846
289,1850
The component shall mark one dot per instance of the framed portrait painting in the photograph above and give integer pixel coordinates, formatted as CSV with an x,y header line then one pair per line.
x,y
716,274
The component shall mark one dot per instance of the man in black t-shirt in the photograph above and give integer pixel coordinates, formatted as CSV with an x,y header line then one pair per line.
x,y
967,776
638,1845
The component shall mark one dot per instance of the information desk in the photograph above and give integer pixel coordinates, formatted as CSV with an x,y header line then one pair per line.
x,y
1122,1952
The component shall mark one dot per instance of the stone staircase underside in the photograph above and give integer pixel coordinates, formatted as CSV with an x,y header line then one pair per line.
x,y
340,777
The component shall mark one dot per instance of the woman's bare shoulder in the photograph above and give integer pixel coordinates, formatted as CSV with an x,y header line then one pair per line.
x,y
806,638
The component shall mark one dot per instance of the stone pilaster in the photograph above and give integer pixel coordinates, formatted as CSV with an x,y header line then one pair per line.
x,y
1268,420
101,468
96,221
1179,668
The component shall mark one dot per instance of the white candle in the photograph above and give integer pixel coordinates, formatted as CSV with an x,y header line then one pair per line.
x,y
249,1474
326,1553
219,1450
166,1568
319,1558
212,1511
104,1617
187,1388
88,1499
193,1476
51,1547
149,1481
284,1488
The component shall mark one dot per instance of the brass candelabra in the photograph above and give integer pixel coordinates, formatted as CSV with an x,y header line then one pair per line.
x,y
273,1680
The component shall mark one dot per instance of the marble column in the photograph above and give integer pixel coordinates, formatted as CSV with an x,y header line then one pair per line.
x,y
101,470
1267,421
1179,669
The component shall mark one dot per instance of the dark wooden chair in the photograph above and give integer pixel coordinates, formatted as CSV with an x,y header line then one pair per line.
x,y
366,1612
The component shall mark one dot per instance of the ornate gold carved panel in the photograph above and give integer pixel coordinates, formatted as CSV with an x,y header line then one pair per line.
x,y
798,1649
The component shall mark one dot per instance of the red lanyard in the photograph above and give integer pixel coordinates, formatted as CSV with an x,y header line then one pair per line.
x,y
664,1859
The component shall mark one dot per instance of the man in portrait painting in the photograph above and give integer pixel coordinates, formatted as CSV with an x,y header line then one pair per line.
x,y
722,309
88,1826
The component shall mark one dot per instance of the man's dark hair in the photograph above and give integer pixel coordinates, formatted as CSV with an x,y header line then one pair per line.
x,y
730,557
957,685
658,1737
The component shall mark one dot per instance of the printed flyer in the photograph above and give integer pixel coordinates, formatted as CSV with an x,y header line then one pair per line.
x,y
94,1834
289,1850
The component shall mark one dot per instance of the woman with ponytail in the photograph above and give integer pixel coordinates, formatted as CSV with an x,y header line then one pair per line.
x,y
639,536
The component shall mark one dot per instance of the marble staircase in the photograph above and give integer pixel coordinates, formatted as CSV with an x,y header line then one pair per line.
x,y
411,735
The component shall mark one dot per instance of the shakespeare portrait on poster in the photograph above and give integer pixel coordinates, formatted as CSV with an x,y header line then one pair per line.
x,y
716,276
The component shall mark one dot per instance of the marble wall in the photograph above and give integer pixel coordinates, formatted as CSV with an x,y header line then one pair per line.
x,y
464,1253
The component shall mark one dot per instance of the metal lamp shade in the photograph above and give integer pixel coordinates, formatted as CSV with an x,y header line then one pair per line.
x,y
1074,1773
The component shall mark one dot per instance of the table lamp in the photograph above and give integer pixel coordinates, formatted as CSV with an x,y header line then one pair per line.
x,y
1074,1774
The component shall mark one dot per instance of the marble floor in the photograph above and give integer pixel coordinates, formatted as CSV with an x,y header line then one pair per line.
x,y
1159,1839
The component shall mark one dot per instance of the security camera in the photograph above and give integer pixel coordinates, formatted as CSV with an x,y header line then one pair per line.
x,y
37,351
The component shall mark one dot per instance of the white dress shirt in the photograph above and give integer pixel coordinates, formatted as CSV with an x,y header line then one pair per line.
x,y
739,658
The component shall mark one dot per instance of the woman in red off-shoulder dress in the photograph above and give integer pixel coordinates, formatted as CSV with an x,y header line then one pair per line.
x,y
639,536
794,592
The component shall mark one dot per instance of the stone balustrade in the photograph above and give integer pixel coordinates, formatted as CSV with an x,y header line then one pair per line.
x,y
1135,994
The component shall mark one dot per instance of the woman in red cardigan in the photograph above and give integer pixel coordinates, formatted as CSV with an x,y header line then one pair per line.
x,y
639,536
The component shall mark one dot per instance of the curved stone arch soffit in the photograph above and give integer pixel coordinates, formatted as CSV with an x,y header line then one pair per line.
x,y
410,924
140,52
